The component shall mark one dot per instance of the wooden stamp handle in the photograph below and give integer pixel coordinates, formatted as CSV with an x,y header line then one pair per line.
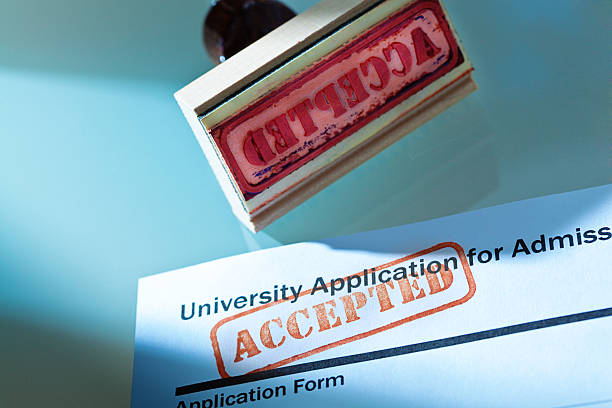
x,y
232,25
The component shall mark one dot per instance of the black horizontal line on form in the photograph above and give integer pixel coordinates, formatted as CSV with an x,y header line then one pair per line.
x,y
390,352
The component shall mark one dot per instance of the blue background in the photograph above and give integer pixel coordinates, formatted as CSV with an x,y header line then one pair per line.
x,y
102,181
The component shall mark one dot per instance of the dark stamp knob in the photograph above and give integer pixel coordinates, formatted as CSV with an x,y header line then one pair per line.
x,y
232,25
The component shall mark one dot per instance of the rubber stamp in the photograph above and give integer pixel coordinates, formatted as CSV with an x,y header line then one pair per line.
x,y
294,111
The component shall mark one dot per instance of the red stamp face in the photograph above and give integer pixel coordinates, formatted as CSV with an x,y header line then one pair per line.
x,y
361,305
340,94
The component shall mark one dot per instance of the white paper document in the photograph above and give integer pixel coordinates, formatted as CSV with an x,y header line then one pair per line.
x,y
509,306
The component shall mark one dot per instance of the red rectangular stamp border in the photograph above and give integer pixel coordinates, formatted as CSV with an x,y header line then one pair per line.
x,y
468,296
392,24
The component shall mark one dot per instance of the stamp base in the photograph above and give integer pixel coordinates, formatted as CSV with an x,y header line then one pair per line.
x,y
326,176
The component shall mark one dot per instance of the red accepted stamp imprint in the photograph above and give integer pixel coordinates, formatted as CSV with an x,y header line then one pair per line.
x,y
337,96
344,310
